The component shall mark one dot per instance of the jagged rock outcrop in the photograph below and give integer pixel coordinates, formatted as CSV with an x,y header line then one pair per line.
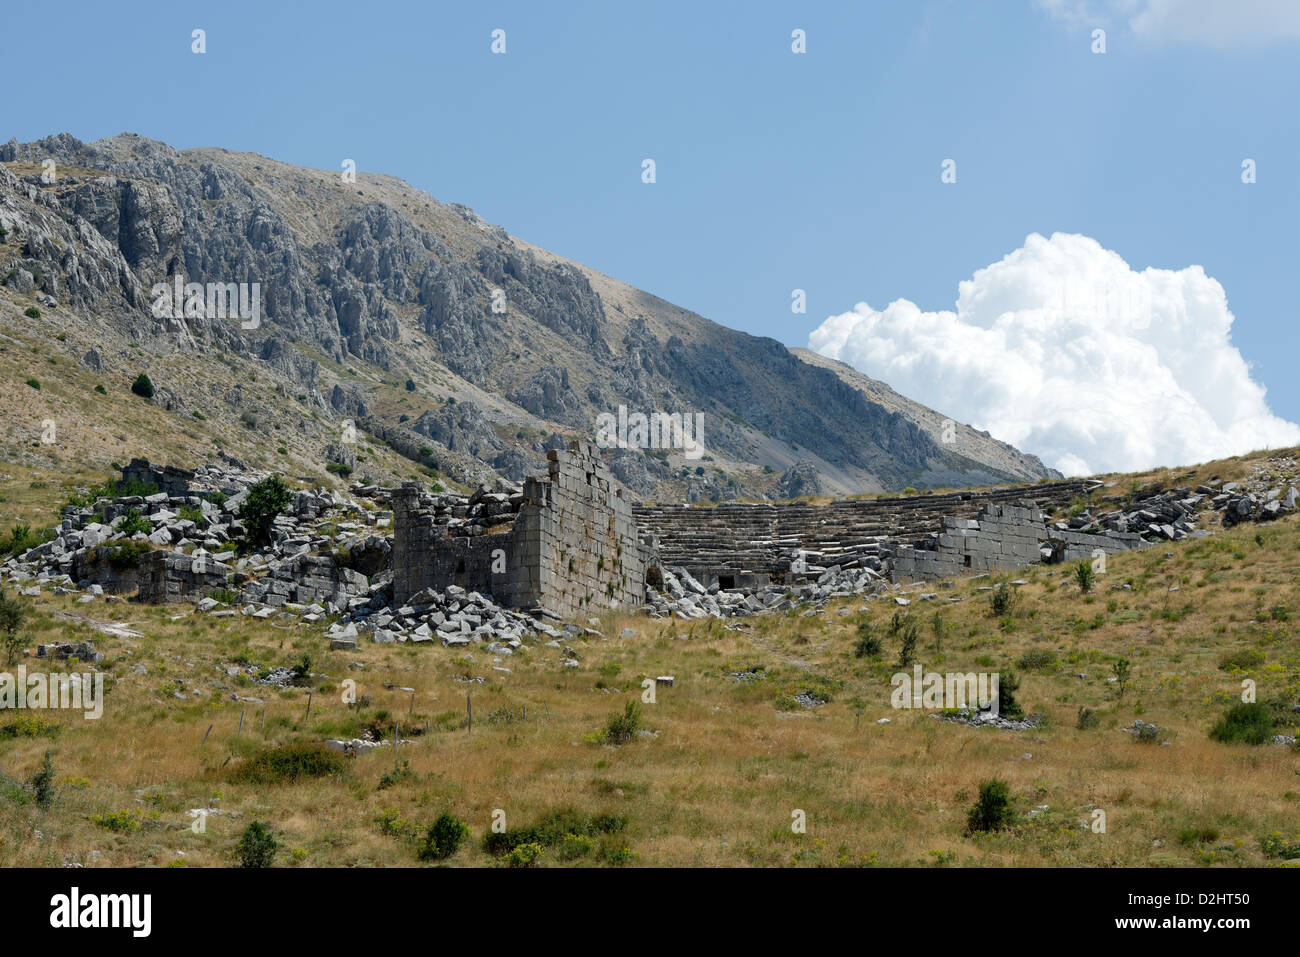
x,y
799,480
460,427
637,471
548,394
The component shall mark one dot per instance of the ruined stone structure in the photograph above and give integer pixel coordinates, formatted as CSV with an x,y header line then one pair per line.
x,y
168,478
572,546
309,579
1002,538
96,566
741,545
171,576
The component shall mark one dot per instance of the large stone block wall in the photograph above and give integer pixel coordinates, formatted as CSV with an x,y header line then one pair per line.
x,y
306,580
414,538
1001,538
172,577
1069,546
739,540
168,478
573,546
93,566
479,564
578,538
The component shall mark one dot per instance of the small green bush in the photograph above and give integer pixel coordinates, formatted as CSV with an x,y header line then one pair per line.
x,y
266,499
868,644
1003,600
553,829
31,312
12,615
1042,660
623,727
992,811
19,540
1008,685
1197,834
525,855
1275,845
29,726
909,636
1244,659
1087,720
444,838
576,845
34,384
132,522
127,555
257,846
122,822
1244,722
42,783
142,386
396,776
1084,575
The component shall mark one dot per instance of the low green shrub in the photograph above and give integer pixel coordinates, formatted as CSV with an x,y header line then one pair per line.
x,y
257,846
623,727
553,829
290,763
1244,723
444,838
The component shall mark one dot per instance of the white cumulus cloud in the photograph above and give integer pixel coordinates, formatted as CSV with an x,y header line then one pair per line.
x,y
1213,23
1064,351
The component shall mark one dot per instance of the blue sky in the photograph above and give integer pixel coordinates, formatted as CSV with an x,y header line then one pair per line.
x,y
775,171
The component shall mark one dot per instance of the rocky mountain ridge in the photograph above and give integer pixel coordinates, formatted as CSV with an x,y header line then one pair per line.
x,y
375,298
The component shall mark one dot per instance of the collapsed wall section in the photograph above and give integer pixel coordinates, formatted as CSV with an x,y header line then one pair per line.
x,y
572,547
168,478
1002,538
167,577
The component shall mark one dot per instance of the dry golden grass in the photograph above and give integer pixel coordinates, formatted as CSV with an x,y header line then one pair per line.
x,y
727,767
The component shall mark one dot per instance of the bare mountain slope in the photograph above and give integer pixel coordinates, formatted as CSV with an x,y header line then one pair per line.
x,y
445,340
968,441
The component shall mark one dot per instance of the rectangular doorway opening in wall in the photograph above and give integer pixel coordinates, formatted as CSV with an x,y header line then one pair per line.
x,y
726,581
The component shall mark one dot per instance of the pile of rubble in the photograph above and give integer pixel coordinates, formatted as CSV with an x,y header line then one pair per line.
x,y
1240,504
1169,515
454,617
467,516
1173,514
683,595
319,557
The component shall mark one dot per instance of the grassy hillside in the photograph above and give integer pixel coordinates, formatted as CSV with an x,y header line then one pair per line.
x,y
728,761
